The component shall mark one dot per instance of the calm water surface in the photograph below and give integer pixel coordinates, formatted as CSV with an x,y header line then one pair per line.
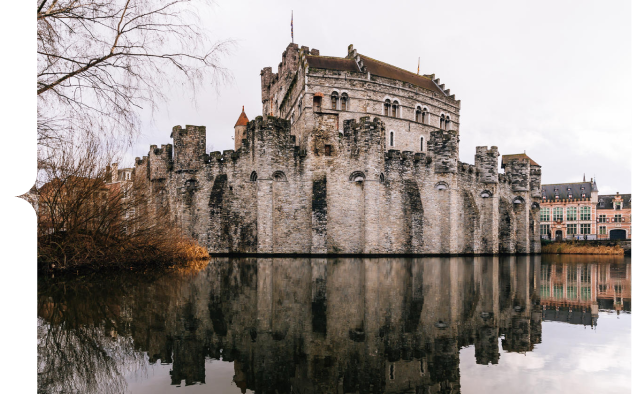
x,y
519,324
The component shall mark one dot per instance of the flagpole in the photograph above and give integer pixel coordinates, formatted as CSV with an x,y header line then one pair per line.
x,y
292,26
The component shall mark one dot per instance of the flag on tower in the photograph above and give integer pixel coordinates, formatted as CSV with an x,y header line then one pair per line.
x,y
292,26
418,61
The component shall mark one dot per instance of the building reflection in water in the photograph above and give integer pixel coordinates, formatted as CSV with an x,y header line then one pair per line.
x,y
575,292
334,325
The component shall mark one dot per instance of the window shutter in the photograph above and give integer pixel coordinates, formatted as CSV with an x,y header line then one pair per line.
x,y
607,220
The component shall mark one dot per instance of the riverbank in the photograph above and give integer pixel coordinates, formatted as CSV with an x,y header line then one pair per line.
x,y
86,254
581,248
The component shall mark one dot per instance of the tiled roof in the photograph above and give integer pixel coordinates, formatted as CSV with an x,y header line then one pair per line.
x,y
332,63
375,67
606,201
385,70
507,158
243,119
561,189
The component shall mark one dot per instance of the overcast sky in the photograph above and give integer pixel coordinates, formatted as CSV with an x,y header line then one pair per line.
x,y
549,77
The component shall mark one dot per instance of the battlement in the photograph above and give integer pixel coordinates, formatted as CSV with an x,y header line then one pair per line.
x,y
352,126
160,161
486,161
190,147
444,145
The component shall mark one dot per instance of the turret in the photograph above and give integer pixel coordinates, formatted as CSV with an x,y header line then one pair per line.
x,y
444,144
518,167
486,161
190,147
240,129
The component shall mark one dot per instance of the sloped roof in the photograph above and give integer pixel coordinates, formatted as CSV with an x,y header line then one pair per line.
x,y
332,63
243,119
386,70
507,158
606,201
562,190
373,66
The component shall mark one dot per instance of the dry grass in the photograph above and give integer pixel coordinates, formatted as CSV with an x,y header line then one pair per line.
x,y
570,248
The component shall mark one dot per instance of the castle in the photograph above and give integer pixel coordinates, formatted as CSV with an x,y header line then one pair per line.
x,y
351,156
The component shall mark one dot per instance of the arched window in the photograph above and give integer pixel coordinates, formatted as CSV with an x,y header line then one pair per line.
x,y
392,138
344,102
300,108
441,186
424,115
421,144
486,194
395,109
357,176
334,100
253,176
279,176
387,107
418,114
442,122
447,122
382,177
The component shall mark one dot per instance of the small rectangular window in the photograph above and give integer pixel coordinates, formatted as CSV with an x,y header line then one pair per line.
x,y
602,230
327,150
317,104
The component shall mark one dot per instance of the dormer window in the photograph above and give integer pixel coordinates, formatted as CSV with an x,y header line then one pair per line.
x,y
583,195
601,203
344,102
334,100
570,196
557,196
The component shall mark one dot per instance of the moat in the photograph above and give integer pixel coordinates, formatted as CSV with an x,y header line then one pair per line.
x,y
507,324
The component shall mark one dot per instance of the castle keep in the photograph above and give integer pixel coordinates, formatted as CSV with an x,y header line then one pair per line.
x,y
351,155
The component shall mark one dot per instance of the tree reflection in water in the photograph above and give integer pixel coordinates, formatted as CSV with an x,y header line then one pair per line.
x,y
310,325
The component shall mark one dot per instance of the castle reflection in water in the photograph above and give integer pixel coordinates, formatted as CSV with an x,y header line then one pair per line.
x,y
338,325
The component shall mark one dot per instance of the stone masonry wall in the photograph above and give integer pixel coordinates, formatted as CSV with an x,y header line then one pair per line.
x,y
344,192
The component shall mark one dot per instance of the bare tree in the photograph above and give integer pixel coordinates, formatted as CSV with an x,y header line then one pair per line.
x,y
100,61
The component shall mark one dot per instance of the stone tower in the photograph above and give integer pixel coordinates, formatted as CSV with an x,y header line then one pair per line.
x,y
240,128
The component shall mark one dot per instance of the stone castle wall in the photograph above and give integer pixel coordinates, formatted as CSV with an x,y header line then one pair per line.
x,y
345,192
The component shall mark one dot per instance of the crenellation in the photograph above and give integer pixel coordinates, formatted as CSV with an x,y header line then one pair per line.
x,y
327,178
